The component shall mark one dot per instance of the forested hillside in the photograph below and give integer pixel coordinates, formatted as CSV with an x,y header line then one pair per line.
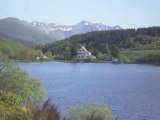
x,y
107,42
11,50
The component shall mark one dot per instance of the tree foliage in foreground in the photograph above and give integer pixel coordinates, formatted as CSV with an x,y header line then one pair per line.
x,y
16,89
10,107
15,80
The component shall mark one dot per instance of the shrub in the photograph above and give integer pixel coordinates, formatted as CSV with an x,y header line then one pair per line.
x,y
10,108
90,112
5,50
47,111
15,80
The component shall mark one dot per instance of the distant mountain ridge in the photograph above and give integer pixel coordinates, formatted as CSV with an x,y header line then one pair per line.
x,y
30,33
22,32
69,30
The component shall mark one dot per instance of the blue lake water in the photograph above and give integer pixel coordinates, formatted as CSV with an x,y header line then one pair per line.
x,y
131,91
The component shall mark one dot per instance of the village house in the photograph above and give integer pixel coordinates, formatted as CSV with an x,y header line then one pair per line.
x,y
84,54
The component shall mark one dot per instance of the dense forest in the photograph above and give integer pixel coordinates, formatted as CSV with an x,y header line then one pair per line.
x,y
105,43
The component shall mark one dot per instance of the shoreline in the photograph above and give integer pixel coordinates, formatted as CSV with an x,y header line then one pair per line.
x,y
69,61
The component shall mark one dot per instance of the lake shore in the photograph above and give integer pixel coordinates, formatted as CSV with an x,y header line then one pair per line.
x,y
71,61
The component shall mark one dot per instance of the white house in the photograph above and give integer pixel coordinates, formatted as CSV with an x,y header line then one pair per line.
x,y
84,54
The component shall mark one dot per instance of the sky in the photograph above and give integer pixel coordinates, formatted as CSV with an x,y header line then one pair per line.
x,y
126,13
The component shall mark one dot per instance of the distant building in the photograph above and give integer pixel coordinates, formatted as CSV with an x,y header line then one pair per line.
x,y
44,57
38,58
84,54
115,60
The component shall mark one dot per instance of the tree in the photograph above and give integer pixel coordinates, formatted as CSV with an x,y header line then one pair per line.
x,y
39,53
89,112
7,51
16,89
10,108
15,80
3,57
130,43
73,50
106,49
115,51
27,54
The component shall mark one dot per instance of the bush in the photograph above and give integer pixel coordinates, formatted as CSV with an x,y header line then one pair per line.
x,y
90,112
5,50
3,57
16,89
124,59
151,58
90,60
10,108
47,111
15,80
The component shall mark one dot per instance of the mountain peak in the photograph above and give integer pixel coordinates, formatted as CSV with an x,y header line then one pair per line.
x,y
84,23
69,30
117,27
12,19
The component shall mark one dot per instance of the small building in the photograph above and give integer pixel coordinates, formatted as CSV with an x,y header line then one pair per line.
x,y
44,57
115,60
84,54
38,58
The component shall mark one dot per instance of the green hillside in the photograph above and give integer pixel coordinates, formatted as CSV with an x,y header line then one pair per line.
x,y
15,51
12,45
137,55
128,44
22,32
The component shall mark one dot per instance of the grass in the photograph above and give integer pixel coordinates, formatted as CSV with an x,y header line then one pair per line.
x,y
14,46
139,53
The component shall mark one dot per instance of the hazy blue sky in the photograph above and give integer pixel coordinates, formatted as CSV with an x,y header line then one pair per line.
x,y
126,13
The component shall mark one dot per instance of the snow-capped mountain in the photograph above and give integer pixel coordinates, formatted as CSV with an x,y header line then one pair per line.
x,y
68,30
49,27
40,32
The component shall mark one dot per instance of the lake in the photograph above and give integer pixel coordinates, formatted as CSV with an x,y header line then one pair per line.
x,y
131,91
